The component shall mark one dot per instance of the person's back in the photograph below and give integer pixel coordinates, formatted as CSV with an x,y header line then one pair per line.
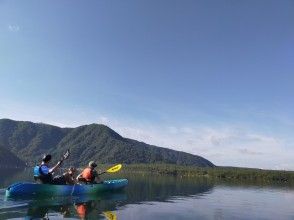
x,y
89,174
42,172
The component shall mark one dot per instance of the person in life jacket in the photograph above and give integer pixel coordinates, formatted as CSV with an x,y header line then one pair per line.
x,y
42,173
89,174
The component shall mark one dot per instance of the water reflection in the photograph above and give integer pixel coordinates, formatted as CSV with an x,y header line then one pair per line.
x,y
110,215
144,188
141,188
157,197
85,207
90,209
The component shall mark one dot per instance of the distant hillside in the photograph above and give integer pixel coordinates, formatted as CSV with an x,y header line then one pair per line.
x,y
8,159
29,141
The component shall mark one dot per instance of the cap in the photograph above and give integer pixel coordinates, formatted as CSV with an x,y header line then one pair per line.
x,y
92,164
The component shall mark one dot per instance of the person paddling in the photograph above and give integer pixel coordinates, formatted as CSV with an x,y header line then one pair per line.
x,y
43,174
89,174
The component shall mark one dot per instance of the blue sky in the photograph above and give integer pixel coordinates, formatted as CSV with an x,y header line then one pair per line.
x,y
213,78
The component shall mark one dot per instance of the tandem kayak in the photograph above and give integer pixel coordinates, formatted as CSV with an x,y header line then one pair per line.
x,y
36,189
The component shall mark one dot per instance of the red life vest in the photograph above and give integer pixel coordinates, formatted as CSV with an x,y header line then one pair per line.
x,y
87,174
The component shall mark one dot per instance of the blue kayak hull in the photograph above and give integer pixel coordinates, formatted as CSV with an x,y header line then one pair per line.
x,y
35,189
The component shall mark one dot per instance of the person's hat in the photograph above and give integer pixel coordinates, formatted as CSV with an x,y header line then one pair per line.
x,y
92,164
46,158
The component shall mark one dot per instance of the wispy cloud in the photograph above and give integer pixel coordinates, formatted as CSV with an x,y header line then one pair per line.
x,y
249,152
222,145
13,28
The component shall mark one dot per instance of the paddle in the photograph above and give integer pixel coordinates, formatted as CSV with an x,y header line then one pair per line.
x,y
64,156
113,169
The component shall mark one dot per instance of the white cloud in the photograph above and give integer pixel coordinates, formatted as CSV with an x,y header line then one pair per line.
x,y
103,120
13,28
249,152
223,146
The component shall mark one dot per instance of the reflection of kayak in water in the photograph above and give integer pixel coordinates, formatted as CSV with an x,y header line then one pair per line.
x,y
82,211
92,205
69,200
110,215
24,202
34,189
76,206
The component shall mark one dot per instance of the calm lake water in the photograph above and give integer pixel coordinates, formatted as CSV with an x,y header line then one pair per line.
x,y
156,197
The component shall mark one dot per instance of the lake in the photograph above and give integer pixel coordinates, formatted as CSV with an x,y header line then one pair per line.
x,y
156,197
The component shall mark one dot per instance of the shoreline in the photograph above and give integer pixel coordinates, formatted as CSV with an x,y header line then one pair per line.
x,y
221,173
218,173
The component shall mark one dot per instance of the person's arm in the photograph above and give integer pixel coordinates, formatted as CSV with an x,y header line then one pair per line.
x,y
80,179
97,177
55,167
79,176
65,156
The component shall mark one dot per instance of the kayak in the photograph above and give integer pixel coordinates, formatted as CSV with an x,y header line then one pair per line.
x,y
36,189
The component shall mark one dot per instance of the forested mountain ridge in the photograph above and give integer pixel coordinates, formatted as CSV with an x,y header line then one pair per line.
x,y
8,159
29,141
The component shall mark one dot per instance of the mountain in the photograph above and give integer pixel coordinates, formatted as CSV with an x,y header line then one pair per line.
x,y
29,141
8,159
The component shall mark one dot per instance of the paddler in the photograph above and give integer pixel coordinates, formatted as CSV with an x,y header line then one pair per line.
x,y
43,174
89,174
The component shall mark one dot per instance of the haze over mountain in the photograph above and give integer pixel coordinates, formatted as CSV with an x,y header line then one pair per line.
x,y
29,141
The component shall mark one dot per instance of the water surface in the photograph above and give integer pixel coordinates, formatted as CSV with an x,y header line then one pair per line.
x,y
156,197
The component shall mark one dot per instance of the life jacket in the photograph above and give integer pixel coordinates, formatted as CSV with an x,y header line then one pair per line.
x,y
39,175
87,174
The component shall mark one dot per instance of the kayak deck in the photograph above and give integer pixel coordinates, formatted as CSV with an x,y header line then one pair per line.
x,y
36,189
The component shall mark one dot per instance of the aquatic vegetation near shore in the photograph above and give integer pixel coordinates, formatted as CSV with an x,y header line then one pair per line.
x,y
233,173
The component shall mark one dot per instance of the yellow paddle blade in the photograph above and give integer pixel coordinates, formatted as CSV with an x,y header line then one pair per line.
x,y
110,215
114,168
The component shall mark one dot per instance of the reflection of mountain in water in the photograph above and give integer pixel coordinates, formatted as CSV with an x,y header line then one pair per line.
x,y
141,188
